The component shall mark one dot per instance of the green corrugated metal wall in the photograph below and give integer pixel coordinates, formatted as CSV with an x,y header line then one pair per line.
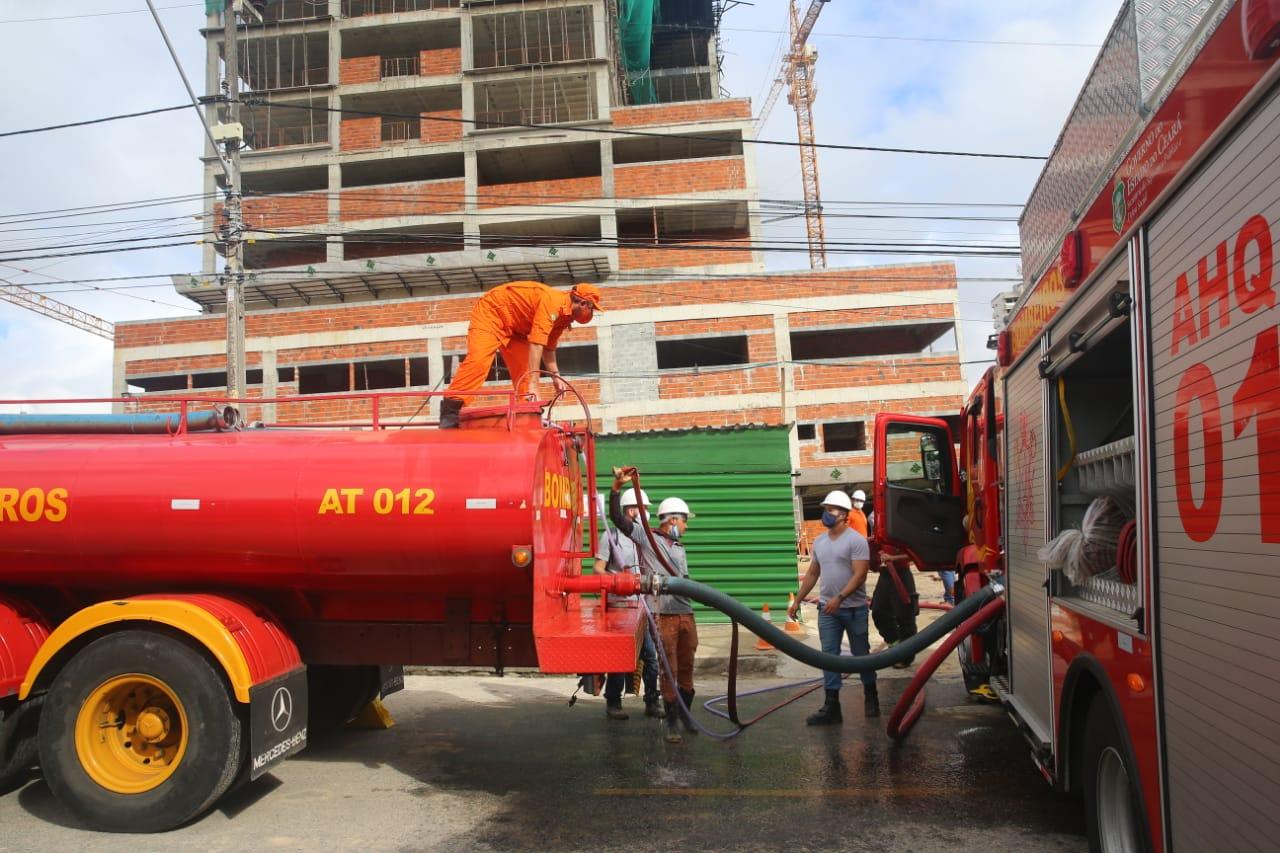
x,y
738,484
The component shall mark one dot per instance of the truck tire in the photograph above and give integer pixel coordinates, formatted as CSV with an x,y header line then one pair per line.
x,y
1112,808
18,751
336,694
139,733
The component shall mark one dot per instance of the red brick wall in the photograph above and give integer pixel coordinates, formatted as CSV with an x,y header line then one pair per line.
x,y
766,417
445,60
870,316
719,325
417,199
360,69
441,131
539,192
669,254
877,371
354,352
682,113
360,133
718,382
283,211
687,176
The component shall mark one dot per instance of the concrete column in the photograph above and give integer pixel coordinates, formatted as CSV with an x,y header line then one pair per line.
x,y
782,343
606,168
750,174
118,386
604,345
435,368
467,35
470,184
333,245
269,377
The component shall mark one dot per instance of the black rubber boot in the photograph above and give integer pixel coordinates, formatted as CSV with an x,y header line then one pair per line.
x,y
687,718
870,701
613,710
652,708
450,408
673,724
829,714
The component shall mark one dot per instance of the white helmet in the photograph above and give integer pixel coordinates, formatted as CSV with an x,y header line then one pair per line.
x,y
859,495
629,498
673,505
837,498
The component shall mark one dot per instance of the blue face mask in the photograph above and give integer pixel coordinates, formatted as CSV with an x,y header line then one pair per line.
x,y
830,519
673,533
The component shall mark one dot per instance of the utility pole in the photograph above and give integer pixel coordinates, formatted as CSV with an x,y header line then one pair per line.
x,y
232,133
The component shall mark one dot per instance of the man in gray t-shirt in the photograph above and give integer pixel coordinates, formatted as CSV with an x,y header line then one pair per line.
x,y
838,564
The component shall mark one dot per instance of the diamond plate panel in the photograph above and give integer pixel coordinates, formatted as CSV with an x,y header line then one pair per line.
x,y
1104,114
1164,27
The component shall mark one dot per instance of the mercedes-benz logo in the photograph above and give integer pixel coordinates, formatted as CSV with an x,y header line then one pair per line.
x,y
281,709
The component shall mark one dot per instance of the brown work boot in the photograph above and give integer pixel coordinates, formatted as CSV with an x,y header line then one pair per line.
x,y
615,712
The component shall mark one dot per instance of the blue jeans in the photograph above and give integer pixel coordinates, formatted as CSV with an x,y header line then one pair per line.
x,y
832,629
615,683
948,585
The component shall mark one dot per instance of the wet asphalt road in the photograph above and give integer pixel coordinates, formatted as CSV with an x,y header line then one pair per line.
x,y
480,763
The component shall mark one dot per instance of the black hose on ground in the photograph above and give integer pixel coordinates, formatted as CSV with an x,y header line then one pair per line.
x,y
788,645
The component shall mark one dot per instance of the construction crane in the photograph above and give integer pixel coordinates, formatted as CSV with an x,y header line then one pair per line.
x,y
25,297
797,75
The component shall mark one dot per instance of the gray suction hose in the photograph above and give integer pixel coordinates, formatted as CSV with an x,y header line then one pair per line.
x,y
792,647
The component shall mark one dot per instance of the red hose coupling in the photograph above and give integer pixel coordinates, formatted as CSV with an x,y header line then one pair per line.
x,y
619,584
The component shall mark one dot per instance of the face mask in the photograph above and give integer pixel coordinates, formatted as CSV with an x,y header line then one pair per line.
x,y
673,533
830,519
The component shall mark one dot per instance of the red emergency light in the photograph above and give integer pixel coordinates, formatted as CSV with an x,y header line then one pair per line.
x,y
1071,259
1004,348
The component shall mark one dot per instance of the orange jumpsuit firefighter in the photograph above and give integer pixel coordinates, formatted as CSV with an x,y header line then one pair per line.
x,y
522,320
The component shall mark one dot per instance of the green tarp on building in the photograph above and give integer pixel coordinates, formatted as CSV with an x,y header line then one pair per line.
x,y
738,484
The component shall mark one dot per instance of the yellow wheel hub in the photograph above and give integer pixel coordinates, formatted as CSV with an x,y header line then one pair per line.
x,y
131,733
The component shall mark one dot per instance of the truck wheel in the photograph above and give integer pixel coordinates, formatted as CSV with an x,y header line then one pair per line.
x,y
1109,783
17,741
139,733
336,694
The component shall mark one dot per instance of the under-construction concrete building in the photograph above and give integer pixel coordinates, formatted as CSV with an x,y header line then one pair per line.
x,y
405,155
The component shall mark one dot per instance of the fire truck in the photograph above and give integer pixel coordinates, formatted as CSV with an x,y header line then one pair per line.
x,y
1138,377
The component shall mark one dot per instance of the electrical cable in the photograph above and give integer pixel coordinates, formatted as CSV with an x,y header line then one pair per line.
x,y
615,132
90,121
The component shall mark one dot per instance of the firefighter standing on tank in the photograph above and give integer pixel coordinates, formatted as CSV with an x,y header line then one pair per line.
x,y
676,627
523,321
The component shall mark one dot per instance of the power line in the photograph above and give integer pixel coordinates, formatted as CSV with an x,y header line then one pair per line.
x,y
94,14
930,39
612,132
156,111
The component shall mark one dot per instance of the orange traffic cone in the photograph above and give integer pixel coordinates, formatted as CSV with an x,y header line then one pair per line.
x,y
792,626
763,645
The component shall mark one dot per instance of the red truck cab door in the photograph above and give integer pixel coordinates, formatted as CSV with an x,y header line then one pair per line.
x,y
919,502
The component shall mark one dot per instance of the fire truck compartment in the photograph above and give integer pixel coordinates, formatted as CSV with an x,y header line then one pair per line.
x,y
1091,401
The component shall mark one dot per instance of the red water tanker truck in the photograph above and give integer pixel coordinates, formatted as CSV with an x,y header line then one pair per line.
x,y
181,598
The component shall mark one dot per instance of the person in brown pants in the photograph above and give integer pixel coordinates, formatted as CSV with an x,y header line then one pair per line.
x,y
678,632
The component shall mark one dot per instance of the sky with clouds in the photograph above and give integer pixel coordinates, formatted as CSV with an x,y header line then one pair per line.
x,y
908,73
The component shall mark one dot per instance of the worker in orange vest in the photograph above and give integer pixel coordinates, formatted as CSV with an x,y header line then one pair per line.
x,y
522,320
857,520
